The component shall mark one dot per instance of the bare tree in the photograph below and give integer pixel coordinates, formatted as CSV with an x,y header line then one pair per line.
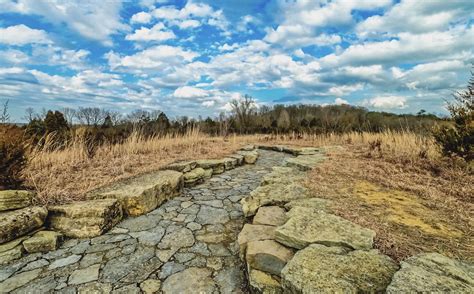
x,y
30,114
5,116
69,115
243,110
223,124
115,116
90,115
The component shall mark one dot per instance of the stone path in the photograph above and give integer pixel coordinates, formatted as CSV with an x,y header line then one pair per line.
x,y
188,245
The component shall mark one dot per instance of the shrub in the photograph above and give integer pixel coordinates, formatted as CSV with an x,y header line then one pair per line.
x,y
458,140
12,156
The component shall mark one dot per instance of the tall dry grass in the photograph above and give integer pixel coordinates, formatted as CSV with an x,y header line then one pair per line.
x,y
67,173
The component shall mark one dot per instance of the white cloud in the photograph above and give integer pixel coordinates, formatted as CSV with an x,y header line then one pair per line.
x,y
189,23
22,35
141,17
188,92
386,102
95,20
340,101
155,33
12,56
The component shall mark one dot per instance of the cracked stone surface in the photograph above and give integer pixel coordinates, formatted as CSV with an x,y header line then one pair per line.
x,y
187,244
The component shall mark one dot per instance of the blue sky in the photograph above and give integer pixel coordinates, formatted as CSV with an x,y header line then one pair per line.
x,y
191,57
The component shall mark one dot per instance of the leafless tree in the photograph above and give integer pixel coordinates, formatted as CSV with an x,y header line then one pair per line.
x,y
30,114
223,124
5,116
69,115
243,110
90,115
115,116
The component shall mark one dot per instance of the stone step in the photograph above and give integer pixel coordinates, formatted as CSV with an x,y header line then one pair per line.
x,y
15,199
17,223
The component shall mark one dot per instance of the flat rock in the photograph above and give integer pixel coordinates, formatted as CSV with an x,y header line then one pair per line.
x,y
13,253
142,194
182,166
250,157
318,268
192,280
194,176
16,223
230,163
217,165
303,229
62,262
15,199
84,219
264,283
251,233
208,215
43,241
19,280
283,175
305,162
314,203
238,157
270,215
268,256
433,273
85,275
179,238
272,194
150,286
95,287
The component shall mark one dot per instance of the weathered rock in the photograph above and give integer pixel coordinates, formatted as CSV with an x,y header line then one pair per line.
x,y
208,173
96,288
194,176
211,215
18,281
179,238
84,219
318,268
250,157
217,165
150,286
313,203
264,283
248,147
85,275
144,193
251,233
272,194
43,241
319,227
305,162
192,280
182,166
433,273
16,223
11,250
15,199
268,256
239,158
283,175
230,163
270,215
62,262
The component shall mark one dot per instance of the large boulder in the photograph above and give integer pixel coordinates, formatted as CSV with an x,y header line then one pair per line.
x,y
272,194
15,199
43,241
250,157
16,223
85,219
194,176
313,226
321,269
433,273
305,162
270,215
142,194
251,233
262,282
268,256
217,165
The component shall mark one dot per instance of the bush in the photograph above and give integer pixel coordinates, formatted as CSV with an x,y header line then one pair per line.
x,y
12,156
458,140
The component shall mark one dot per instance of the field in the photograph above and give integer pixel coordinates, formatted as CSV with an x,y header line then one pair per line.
x,y
395,183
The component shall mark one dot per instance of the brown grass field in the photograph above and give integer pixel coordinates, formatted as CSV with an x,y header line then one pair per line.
x,y
394,183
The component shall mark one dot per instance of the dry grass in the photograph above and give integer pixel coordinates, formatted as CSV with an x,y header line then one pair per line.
x,y
67,174
397,185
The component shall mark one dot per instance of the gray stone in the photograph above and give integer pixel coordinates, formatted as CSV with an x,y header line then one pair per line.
x,y
19,280
230,280
212,215
433,273
95,287
64,261
35,264
170,268
129,289
141,223
270,215
192,280
268,256
85,275
149,238
182,237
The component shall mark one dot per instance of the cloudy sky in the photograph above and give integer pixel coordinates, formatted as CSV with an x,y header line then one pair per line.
x,y
190,57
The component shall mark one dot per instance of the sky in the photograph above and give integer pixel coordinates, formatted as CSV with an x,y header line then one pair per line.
x,y
191,57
